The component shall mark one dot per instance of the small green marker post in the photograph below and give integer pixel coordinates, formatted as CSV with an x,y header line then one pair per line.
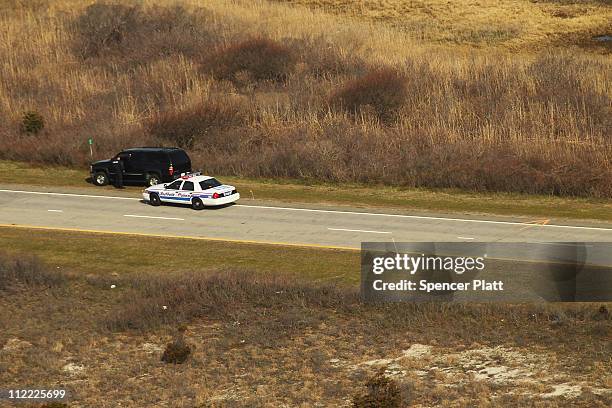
x,y
90,143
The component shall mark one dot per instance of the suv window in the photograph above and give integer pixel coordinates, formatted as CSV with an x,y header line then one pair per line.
x,y
158,157
176,185
139,158
210,183
124,155
179,158
188,185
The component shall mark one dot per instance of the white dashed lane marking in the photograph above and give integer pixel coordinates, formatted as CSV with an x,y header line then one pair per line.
x,y
156,218
357,230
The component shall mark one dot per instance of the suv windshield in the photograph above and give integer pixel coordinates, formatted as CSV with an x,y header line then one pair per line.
x,y
210,183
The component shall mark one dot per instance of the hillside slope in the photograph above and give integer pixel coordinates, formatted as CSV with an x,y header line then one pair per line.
x,y
262,89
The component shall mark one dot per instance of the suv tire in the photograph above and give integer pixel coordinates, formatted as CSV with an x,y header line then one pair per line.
x,y
197,204
100,178
152,179
154,200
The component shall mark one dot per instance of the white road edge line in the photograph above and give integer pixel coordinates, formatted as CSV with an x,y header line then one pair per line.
x,y
356,230
68,194
418,217
468,238
423,217
156,218
57,211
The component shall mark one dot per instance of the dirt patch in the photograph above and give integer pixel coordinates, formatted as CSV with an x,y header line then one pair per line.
x,y
603,38
527,373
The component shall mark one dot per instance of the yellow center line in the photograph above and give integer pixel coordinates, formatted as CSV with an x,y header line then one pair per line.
x,y
144,234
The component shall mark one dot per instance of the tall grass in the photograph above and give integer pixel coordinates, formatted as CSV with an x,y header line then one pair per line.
x,y
166,72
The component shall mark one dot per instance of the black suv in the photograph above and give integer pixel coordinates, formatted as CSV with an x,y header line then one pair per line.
x,y
148,165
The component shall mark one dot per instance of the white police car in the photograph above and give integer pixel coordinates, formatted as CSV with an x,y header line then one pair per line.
x,y
195,189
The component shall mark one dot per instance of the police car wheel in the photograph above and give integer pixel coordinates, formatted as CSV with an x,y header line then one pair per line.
x,y
197,204
154,200
100,178
152,179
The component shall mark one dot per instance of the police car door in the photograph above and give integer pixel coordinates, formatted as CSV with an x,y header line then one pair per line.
x,y
171,192
186,192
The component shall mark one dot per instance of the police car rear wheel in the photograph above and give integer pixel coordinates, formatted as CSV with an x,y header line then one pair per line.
x,y
197,204
154,200
100,179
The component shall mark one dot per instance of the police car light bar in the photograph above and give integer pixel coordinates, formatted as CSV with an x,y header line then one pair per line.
x,y
187,175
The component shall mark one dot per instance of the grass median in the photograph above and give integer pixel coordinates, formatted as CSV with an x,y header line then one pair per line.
x,y
105,254
353,195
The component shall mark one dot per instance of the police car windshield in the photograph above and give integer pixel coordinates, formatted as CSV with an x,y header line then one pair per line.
x,y
210,183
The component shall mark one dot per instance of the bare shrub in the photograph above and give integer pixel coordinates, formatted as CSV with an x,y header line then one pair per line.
x,y
105,25
260,58
177,351
138,33
382,392
383,90
196,124
28,271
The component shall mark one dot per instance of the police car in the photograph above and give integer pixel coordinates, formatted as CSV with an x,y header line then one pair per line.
x,y
194,189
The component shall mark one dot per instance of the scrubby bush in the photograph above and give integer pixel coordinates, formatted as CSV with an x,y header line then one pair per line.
x,y
104,25
382,392
178,351
260,58
381,90
137,34
32,122
185,128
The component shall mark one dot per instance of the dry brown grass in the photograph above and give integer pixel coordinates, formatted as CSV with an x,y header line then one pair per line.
x,y
26,271
512,24
472,119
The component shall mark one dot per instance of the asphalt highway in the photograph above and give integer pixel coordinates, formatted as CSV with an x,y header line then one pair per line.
x,y
544,243
273,224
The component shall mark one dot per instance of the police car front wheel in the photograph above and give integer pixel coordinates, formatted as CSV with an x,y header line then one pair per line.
x,y
197,204
154,200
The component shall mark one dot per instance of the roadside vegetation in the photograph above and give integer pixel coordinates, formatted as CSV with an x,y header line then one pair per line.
x,y
257,339
267,90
